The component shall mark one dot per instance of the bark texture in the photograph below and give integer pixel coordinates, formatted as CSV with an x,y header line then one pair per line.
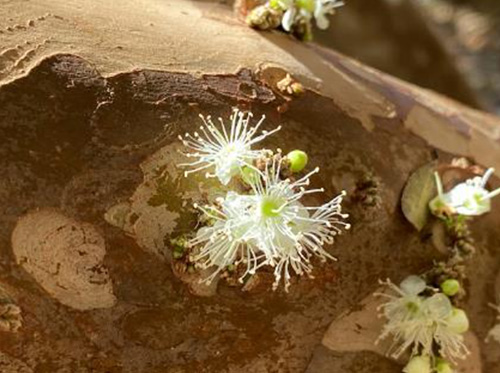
x,y
92,98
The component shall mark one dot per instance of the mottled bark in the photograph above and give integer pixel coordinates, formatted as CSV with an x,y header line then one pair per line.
x,y
92,99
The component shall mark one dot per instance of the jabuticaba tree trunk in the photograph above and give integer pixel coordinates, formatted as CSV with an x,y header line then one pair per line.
x,y
93,96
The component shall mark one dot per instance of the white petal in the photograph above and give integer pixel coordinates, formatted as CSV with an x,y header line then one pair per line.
x,y
322,22
466,199
439,306
413,285
457,322
224,175
477,210
288,19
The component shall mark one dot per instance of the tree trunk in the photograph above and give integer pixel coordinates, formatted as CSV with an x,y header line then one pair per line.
x,y
93,96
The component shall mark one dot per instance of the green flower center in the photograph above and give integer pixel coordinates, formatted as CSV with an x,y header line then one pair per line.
x,y
270,207
478,197
412,307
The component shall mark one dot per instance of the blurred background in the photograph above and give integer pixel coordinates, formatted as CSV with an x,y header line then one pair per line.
x,y
450,46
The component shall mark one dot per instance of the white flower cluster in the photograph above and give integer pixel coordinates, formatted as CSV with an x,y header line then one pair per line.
x,y
419,322
269,225
294,16
305,10
470,198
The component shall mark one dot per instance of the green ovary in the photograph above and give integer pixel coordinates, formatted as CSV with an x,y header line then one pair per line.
x,y
270,206
412,307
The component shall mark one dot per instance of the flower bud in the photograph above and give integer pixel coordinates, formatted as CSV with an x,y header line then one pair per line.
x,y
264,17
297,88
458,321
442,366
419,364
298,160
450,287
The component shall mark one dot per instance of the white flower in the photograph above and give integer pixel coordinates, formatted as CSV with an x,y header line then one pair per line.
x,y
225,242
307,9
290,11
226,151
284,229
418,322
469,198
270,227
324,8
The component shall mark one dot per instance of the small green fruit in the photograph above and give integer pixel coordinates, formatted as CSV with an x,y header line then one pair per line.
x,y
458,321
297,88
442,366
298,160
419,364
450,287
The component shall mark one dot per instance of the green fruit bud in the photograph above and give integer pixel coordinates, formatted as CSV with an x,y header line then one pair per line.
x,y
297,88
419,364
275,4
458,321
298,160
450,287
442,366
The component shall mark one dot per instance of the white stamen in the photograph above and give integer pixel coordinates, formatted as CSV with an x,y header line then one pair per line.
x,y
225,151
418,323
285,237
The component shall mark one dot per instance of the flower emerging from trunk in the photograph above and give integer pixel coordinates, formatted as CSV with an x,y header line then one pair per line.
x,y
417,322
225,243
225,151
288,232
470,198
270,226
306,10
